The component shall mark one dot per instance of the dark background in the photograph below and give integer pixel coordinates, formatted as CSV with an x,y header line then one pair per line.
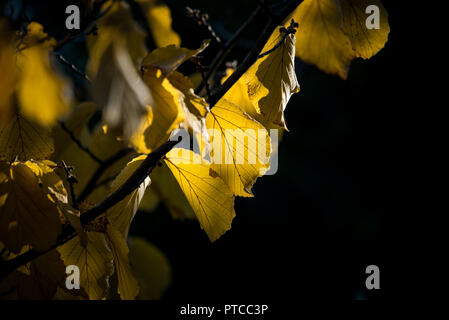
x,y
312,228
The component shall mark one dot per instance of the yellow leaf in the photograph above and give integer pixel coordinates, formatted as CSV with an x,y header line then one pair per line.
x,y
27,216
24,139
151,267
128,287
240,147
320,39
44,96
169,58
271,80
238,95
207,194
159,18
365,42
120,92
195,109
94,262
195,104
123,212
165,115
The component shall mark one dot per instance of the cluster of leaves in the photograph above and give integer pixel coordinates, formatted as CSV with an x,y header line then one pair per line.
x,y
58,161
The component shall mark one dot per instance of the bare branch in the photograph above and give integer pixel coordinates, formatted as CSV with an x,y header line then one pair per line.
x,y
71,66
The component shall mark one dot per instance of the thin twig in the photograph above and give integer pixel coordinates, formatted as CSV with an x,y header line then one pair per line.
x,y
286,31
132,183
226,49
91,185
203,20
71,179
79,144
104,181
72,67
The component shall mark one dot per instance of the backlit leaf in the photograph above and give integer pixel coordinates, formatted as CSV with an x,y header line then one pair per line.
x,y
271,80
240,147
320,39
165,114
365,42
207,194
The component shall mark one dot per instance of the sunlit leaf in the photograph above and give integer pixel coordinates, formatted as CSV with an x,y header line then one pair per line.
x,y
320,39
365,42
165,114
207,194
240,147
271,80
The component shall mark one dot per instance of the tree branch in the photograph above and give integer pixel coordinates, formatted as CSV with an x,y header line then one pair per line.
x,y
132,183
